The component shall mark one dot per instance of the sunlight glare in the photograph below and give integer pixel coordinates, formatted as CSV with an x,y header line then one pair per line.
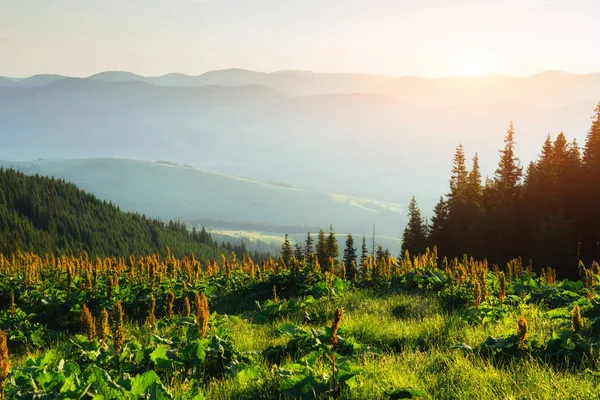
x,y
472,65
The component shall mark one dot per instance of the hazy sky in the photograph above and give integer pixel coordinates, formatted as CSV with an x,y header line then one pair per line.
x,y
392,37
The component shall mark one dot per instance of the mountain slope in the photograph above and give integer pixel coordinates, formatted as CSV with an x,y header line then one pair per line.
x,y
173,192
50,216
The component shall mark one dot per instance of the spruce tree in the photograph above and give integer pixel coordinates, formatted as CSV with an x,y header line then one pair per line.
x,y
349,251
474,189
507,239
286,250
414,238
308,247
380,253
590,218
321,250
364,251
438,233
509,171
460,176
298,253
333,250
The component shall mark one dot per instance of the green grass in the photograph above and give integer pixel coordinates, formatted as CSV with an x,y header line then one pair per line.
x,y
415,334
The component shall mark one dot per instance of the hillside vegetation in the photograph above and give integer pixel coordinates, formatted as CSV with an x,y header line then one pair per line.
x,y
50,216
161,328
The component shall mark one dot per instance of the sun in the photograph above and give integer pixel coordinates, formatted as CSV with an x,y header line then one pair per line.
x,y
471,65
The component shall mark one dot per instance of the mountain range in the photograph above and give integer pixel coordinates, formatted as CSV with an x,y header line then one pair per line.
x,y
548,88
361,135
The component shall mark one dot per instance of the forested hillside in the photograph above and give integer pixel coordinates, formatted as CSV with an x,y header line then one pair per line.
x,y
548,212
51,216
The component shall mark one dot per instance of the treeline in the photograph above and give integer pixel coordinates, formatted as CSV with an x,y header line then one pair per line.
x,y
49,216
548,214
325,252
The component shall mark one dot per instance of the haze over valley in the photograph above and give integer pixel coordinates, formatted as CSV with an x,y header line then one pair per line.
x,y
359,135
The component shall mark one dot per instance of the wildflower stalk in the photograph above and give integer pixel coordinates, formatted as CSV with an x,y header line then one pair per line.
x,y
118,330
4,362
87,320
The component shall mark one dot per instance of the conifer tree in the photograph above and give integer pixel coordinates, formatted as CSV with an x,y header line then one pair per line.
x,y
364,251
298,253
474,189
333,250
321,250
286,250
590,218
414,238
509,171
380,253
460,176
349,252
438,233
308,247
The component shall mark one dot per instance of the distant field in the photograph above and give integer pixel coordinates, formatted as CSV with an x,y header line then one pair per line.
x,y
276,239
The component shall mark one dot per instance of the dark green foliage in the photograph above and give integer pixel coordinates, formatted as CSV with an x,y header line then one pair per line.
x,y
349,251
364,251
321,250
414,238
286,250
551,216
45,216
350,257
333,250
308,246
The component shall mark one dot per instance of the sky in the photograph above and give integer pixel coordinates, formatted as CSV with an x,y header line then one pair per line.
x,y
429,38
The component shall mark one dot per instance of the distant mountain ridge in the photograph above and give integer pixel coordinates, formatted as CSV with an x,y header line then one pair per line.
x,y
369,145
548,88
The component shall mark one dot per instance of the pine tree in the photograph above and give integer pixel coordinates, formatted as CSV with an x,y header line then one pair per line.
x,y
474,189
438,235
321,250
349,252
380,253
460,178
286,250
298,253
509,172
308,247
364,251
589,221
414,238
591,149
333,250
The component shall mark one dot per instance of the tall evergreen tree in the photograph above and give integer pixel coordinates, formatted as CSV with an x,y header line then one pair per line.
x,y
321,249
308,247
590,219
380,253
460,175
332,247
414,238
364,251
298,253
438,233
350,255
349,251
459,210
286,250
509,171
474,189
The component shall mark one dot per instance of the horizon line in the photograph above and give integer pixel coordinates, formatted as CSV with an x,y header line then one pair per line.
x,y
457,76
